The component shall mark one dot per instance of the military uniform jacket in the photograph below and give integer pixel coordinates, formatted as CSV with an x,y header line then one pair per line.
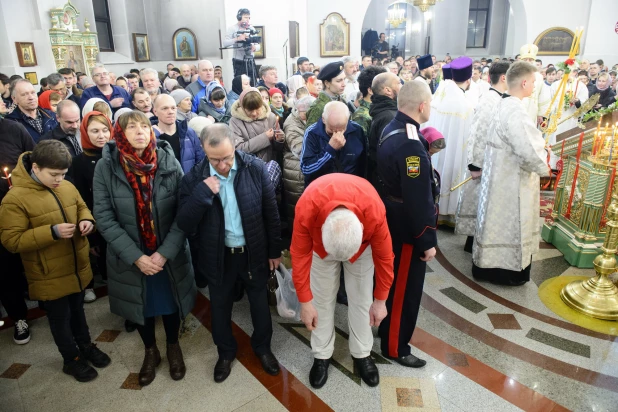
x,y
361,116
406,175
317,107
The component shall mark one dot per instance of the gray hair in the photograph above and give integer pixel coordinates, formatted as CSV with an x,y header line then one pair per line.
x,y
349,59
54,78
14,84
335,107
149,70
265,69
342,234
203,62
214,134
66,105
303,104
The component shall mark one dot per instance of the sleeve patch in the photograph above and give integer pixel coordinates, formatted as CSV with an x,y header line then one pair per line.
x,y
413,164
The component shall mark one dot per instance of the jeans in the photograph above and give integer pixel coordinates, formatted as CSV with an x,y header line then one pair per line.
x,y
67,322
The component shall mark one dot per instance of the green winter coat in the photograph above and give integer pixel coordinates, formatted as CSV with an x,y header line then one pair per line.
x,y
317,107
114,206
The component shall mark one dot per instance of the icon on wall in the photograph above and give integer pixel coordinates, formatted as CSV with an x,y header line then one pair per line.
x,y
141,48
26,54
185,45
334,36
31,77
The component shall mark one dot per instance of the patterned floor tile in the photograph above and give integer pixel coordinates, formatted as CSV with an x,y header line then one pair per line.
x,y
400,394
15,371
456,359
559,343
503,321
108,335
465,301
132,382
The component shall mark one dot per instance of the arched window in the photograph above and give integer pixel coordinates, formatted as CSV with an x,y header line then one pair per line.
x,y
478,23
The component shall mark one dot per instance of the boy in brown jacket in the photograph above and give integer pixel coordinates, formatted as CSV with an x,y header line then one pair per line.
x,y
45,220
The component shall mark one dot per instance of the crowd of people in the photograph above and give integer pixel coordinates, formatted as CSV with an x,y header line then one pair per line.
x,y
166,182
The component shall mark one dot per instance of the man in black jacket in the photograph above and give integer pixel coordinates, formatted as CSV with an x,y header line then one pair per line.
x,y
14,140
68,127
385,87
229,203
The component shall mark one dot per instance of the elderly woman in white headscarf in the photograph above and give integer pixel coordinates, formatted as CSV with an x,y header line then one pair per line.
x,y
89,106
294,83
293,179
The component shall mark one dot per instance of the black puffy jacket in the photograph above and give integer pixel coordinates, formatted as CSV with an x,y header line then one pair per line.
x,y
200,213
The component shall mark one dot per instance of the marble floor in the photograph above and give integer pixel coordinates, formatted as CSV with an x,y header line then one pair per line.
x,y
488,348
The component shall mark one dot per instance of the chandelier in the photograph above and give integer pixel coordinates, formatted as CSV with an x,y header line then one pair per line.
x,y
396,16
423,5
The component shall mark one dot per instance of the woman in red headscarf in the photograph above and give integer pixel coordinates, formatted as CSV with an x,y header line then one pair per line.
x,y
49,100
95,131
149,271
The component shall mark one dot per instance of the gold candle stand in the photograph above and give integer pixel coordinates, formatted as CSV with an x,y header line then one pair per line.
x,y
598,296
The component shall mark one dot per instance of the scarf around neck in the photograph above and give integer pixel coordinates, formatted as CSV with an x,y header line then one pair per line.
x,y
140,172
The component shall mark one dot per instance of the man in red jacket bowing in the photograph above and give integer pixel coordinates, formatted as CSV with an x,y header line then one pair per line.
x,y
341,219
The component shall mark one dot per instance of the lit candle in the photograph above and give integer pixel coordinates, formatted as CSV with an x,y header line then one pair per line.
x,y
7,176
611,146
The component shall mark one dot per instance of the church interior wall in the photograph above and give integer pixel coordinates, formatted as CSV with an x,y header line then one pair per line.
x,y
512,23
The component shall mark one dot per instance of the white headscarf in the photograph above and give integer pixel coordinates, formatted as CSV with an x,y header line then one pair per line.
x,y
89,106
295,82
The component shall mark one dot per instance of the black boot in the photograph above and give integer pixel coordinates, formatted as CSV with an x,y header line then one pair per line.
x,y
80,370
152,359
130,326
367,370
94,355
319,373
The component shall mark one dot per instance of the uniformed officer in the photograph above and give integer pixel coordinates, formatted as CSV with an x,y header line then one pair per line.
x,y
407,188
333,77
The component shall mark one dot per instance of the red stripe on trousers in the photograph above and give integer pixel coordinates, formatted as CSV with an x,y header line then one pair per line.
x,y
400,291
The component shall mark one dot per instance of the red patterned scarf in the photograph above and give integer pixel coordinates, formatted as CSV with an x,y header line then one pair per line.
x,y
140,172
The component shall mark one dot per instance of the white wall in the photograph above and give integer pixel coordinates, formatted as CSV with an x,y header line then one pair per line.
x,y
601,39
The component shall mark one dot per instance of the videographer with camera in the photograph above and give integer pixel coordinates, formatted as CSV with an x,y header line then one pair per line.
x,y
243,40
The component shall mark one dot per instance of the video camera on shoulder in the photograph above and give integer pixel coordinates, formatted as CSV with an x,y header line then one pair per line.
x,y
251,32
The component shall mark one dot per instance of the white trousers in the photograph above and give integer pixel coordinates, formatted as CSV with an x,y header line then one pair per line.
x,y
358,277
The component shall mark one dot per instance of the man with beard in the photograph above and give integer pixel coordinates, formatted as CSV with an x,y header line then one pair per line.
x,y
385,87
185,76
425,69
68,114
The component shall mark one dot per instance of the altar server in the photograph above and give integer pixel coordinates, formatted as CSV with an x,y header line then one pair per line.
x,y
469,197
507,228
538,102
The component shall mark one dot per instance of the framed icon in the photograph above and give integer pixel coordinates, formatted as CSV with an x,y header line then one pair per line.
x,y
26,54
334,36
185,45
555,41
261,32
31,77
141,48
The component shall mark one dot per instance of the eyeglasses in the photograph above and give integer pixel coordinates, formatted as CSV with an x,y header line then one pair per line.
x,y
224,160
101,74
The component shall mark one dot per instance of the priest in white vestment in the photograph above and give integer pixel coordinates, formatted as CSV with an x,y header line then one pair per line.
x,y
507,228
538,102
479,134
452,116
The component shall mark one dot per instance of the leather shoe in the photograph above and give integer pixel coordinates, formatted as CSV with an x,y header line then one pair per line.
x,y
368,370
152,359
270,363
410,361
223,369
319,373
176,361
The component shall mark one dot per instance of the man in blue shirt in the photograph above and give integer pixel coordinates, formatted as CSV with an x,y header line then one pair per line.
x,y
115,96
228,203
206,73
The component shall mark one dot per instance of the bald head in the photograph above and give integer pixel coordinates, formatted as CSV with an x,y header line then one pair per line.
x,y
335,117
206,71
165,109
163,99
68,117
185,72
386,84
66,107
414,100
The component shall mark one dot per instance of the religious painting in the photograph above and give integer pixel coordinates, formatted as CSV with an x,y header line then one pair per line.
x,y
26,54
141,48
334,36
555,41
185,45
74,58
261,53
31,77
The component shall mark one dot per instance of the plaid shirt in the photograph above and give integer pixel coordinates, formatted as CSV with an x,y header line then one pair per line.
x,y
36,123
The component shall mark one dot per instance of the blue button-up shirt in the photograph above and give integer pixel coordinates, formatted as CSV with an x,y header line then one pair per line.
x,y
234,235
